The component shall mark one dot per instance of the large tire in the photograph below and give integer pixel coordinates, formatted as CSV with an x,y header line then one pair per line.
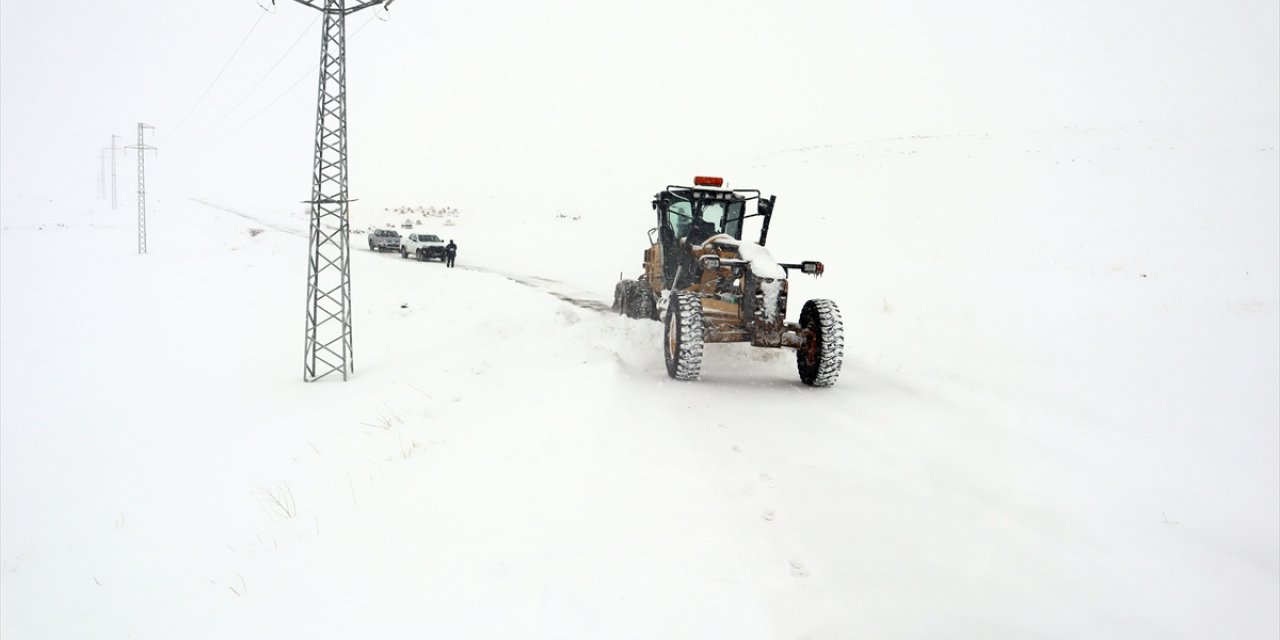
x,y
684,337
820,358
404,253
641,305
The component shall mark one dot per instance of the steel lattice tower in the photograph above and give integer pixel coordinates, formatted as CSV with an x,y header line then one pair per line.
x,y
328,333
102,173
114,150
142,148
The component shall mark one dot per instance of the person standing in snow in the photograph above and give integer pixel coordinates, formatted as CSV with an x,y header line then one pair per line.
x,y
450,250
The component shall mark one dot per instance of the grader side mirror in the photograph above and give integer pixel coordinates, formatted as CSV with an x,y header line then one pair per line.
x,y
765,207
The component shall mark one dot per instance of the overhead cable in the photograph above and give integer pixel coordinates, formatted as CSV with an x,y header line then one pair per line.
x,y
219,75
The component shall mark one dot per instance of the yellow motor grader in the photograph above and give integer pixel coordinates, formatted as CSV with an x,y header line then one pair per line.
x,y
707,284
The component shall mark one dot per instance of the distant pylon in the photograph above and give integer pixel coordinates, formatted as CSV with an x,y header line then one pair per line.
x,y
102,173
142,148
114,150
328,340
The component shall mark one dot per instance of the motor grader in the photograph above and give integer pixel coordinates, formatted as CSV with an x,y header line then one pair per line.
x,y
707,284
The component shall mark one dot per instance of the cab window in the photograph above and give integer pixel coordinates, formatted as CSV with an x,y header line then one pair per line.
x,y
679,215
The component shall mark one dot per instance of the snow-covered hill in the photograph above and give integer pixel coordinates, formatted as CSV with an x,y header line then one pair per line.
x,y
1058,415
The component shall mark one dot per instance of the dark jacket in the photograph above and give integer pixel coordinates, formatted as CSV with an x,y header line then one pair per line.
x,y
451,249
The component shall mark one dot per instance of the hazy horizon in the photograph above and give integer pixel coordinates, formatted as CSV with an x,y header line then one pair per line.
x,y
495,105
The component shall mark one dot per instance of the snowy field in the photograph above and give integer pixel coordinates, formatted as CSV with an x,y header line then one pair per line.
x,y
1057,416
1053,230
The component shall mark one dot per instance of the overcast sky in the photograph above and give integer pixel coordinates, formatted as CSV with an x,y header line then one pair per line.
x,y
487,103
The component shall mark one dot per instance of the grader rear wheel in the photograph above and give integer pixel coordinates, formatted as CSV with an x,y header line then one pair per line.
x,y
634,300
641,304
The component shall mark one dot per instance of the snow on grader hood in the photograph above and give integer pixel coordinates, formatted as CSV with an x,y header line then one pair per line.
x,y
706,284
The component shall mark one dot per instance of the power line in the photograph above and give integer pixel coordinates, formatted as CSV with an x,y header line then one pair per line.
x,y
263,78
220,72
263,109
282,94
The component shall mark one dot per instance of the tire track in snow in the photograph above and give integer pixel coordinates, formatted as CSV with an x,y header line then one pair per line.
x,y
550,287
250,217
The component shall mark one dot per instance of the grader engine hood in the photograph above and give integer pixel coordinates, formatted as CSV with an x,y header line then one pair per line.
x,y
746,290
757,258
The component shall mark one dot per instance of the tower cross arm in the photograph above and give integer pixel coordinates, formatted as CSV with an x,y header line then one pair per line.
x,y
319,5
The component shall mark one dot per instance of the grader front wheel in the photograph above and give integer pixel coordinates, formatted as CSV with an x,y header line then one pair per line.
x,y
822,354
684,337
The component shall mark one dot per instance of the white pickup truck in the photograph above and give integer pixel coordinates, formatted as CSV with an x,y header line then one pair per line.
x,y
423,246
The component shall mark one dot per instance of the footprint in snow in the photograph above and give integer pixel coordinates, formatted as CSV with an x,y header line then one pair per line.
x,y
766,479
769,516
798,570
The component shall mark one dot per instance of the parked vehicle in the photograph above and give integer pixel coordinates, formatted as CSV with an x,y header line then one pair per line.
x,y
384,240
423,246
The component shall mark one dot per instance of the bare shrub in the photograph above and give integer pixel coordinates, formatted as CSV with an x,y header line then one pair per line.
x,y
277,500
386,422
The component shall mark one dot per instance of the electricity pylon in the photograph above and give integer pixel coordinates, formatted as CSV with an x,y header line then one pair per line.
x,y
142,148
102,173
114,150
328,341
